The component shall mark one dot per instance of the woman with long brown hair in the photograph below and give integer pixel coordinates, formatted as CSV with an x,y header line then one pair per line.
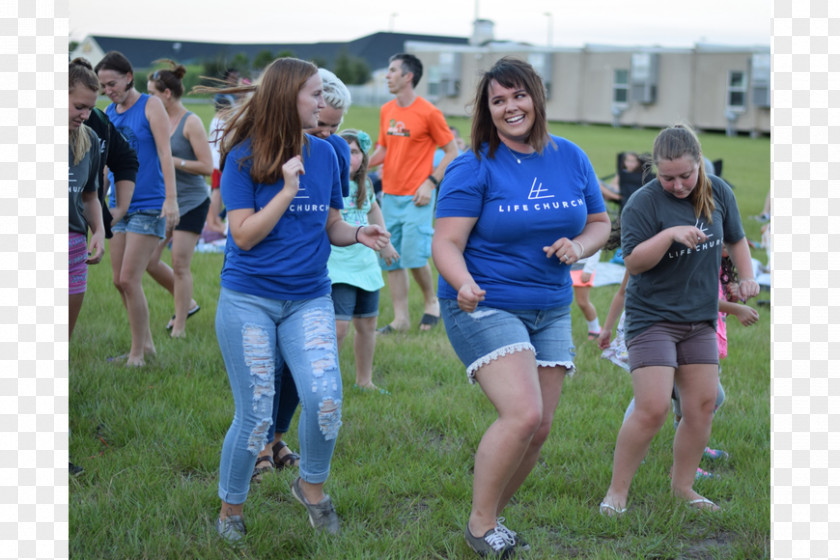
x,y
282,190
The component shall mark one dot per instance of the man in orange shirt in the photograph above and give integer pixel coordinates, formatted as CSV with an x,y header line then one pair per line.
x,y
410,129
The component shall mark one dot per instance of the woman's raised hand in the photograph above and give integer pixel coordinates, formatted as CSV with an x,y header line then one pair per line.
x,y
292,170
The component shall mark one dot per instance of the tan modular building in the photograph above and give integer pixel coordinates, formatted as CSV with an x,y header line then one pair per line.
x,y
711,87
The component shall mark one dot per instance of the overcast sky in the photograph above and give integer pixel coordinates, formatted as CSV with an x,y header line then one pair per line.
x,y
668,23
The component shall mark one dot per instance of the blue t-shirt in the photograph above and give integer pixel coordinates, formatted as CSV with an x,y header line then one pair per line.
x,y
342,151
523,203
149,188
291,262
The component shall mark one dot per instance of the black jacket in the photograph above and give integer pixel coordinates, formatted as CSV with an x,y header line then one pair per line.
x,y
116,153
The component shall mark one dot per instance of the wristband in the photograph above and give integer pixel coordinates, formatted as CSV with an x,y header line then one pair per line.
x,y
434,181
358,229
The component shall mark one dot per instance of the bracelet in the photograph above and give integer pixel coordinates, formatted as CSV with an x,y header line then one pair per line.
x,y
434,181
183,163
358,229
581,248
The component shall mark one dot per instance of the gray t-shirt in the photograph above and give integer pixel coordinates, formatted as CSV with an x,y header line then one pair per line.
x,y
192,189
683,286
83,177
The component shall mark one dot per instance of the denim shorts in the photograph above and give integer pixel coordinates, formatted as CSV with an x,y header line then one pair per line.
x,y
411,231
144,222
672,345
489,333
351,301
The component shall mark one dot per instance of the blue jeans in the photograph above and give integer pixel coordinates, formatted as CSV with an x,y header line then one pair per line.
x,y
256,336
285,399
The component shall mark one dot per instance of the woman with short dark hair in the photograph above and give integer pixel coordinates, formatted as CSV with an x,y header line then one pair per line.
x,y
513,215
153,212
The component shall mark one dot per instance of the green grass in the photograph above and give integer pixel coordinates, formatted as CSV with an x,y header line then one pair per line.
x,y
149,439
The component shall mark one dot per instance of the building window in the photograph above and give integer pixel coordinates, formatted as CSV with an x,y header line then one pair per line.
x,y
542,64
736,95
760,80
445,77
620,86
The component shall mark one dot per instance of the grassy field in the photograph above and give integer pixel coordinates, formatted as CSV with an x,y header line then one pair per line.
x,y
149,439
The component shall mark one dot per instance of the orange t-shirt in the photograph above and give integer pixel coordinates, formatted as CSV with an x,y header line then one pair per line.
x,y
410,136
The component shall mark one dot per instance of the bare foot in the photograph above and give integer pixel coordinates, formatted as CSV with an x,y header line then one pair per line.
x,y
390,328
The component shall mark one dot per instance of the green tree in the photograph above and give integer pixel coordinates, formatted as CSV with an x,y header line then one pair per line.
x,y
351,69
240,62
262,59
215,67
318,61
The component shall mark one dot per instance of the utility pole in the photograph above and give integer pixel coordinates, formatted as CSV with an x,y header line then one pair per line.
x,y
550,17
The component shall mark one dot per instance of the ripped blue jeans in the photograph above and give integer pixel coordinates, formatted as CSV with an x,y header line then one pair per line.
x,y
257,336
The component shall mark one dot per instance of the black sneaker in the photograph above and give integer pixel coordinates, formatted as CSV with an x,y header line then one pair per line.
x,y
494,543
232,529
518,541
322,515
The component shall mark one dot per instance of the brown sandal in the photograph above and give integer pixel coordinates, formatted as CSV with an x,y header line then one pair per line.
x,y
288,460
260,470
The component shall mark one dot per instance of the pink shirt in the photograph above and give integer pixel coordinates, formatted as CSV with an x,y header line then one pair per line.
x,y
721,326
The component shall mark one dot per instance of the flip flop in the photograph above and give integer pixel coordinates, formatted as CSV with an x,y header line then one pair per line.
x,y
430,320
190,313
380,390
703,504
387,329
120,358
608,510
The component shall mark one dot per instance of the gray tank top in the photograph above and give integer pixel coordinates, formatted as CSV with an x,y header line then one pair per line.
x,y
192,189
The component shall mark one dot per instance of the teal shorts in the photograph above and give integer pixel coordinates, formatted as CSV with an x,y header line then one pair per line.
x,y
411,231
